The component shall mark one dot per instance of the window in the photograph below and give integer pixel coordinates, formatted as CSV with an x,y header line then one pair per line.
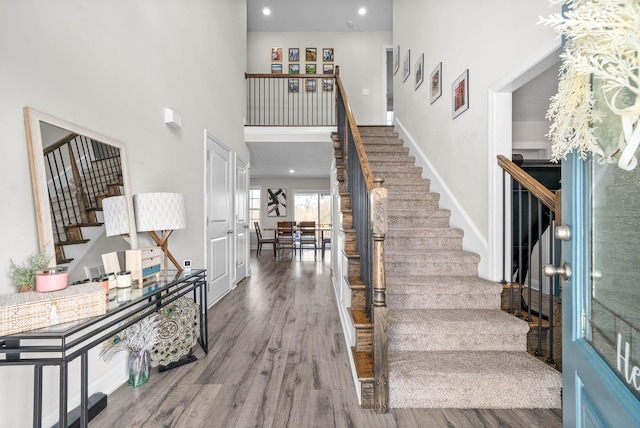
x,y
254,206
312,206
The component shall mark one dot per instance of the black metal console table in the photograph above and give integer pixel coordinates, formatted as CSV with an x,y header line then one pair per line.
x,y
60,344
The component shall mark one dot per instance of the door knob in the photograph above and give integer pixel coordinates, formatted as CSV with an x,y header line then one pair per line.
x,y
229,232
564,271
563,232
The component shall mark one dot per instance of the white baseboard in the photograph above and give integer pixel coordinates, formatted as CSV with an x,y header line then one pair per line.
x,y
473,240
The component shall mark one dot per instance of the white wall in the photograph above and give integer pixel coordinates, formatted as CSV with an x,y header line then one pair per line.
x,y
490,38
360,55
112,67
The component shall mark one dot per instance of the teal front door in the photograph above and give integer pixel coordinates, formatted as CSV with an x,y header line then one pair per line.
x,y
601,297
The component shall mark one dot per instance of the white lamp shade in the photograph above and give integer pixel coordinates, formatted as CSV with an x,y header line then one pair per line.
x,y
159,211
116,215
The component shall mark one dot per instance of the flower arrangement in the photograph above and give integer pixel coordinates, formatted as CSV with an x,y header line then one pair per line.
x,y
602,41
24,276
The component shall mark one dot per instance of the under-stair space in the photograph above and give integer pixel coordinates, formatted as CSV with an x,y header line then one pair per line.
x,y
449,343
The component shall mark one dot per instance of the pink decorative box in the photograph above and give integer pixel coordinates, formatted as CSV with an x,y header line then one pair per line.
x,y
30,310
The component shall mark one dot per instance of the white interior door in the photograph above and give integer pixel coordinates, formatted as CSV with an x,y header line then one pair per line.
x,y
242,222
219,242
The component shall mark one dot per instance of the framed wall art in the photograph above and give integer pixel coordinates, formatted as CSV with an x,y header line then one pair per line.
x,y
396,59
460,94
311,69
436,83
294,68
406,66
310,85
276,68
419,71
276,202
327,68
327,85
276,54
311,54
294,86
327,54
294,54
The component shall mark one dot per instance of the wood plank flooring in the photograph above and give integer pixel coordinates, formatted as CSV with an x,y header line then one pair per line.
x,y
278,358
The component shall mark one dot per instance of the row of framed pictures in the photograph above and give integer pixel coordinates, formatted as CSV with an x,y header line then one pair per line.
x,y
310,85
459,87
309,68
310,54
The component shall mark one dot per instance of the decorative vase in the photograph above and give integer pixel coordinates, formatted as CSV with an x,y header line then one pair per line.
x,y
139,367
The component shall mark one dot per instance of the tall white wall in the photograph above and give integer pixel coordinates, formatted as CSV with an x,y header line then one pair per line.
x,y
112,67
360,55
491,38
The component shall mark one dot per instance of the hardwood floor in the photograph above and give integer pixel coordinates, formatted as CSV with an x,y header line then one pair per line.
x,y
278,359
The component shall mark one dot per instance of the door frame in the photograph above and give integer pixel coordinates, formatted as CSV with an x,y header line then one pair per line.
x,y
247,228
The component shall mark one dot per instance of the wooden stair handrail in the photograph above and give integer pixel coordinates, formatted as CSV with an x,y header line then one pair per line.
x,y
61,142
357,140
546,196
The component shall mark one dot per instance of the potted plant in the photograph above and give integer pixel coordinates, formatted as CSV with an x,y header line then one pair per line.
x,y
24,277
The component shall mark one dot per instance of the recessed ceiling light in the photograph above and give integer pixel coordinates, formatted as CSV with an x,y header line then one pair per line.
x,y
291,171
266,11
362,10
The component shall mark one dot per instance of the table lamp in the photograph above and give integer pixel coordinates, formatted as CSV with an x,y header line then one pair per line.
x,y
160,212
116,217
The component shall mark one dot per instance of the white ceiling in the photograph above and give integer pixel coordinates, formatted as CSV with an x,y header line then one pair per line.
x,y
275,159
327,15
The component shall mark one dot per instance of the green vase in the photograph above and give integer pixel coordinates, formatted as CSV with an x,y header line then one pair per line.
x,y
139,368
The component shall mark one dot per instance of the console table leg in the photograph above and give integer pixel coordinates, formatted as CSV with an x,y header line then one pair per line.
x,y
62,421
37,396
84,390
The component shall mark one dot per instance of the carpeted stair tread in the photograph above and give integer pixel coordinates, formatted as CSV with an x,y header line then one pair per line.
x,y
487,379
440,256
442,284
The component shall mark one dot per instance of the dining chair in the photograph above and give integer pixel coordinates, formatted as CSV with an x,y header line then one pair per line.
x,y
326,240
308,236
285,236
262,240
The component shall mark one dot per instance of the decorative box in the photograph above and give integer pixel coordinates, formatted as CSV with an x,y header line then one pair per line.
x,y
144,263
31,310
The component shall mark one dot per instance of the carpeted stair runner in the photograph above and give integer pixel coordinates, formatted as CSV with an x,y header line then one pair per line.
x,y
450,345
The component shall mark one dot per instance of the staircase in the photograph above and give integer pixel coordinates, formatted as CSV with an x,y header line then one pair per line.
x,y
449,343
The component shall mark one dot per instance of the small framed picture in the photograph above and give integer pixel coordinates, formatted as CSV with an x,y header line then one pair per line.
x,y
311,69
396,59
406,66
294,68
327,85
327,54
310,85
276,68
327,68
294,85
419,71
436,83
294,54
460,94
276,54
311,54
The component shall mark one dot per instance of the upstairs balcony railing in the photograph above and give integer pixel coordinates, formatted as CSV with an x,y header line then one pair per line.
x,y
291,100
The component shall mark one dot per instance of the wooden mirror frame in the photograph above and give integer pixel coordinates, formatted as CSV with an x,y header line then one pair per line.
x,y
33,119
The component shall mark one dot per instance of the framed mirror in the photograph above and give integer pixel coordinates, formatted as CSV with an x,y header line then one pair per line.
x,y
73,169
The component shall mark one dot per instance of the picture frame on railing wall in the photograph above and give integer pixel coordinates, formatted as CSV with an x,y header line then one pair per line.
x,y
294,68
276,68
327,55
311,54
436,82
327,68
460,94
276,54
311,68
294,86
327,85
294,54
419,72
406,66
396,59
310,85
